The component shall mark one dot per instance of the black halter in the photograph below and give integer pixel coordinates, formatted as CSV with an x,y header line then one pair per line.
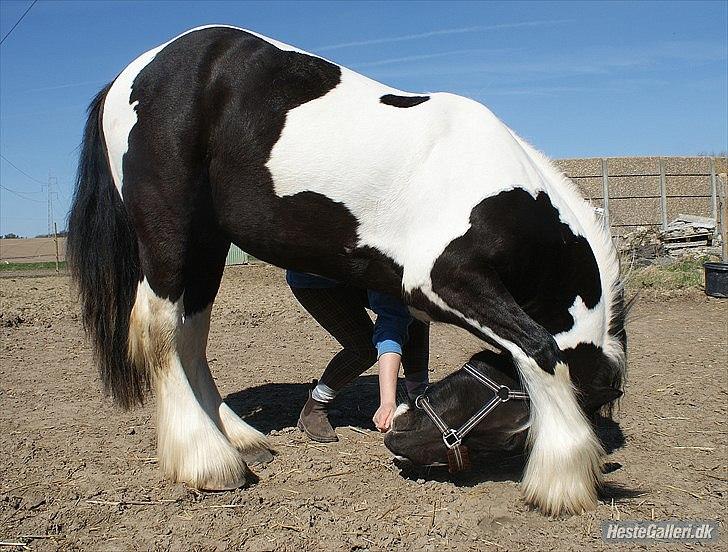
x,y
453,438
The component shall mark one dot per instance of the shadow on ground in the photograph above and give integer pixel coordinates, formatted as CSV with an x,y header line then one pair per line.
x,y
275,406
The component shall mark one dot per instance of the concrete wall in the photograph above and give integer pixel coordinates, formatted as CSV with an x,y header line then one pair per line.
x,y
634,187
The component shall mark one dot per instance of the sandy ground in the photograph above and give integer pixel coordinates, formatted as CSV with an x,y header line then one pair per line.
x,y
77,473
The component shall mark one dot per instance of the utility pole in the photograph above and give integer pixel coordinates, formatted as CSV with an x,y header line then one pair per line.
x,y
55,240
52,182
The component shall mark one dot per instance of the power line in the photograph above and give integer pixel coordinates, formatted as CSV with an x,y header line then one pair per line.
x,y
21,196
20,191
18,22
21,170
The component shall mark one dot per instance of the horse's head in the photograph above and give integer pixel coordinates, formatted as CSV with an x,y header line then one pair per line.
x,y
455,399
416,437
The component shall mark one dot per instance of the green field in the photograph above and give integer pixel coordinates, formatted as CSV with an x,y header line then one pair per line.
x,y
32,266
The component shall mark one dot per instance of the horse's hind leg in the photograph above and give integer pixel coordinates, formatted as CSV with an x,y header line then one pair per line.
x,y
206,261
200,440
196,428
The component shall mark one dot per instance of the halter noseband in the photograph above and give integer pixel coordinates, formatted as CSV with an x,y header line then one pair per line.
x,y
453,438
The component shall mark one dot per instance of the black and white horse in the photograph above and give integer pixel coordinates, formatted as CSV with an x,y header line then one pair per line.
x,y
222,135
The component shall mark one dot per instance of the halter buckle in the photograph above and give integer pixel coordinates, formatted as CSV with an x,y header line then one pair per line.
x,y
451,438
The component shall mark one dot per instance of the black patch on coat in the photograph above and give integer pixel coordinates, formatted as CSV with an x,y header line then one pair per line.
x,y
403,101
539,260
212,104
598,380
517,271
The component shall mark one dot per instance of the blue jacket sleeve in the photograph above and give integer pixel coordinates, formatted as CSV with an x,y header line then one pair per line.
x,y
393,318
305,280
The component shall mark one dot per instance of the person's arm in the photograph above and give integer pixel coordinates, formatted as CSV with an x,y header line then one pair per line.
x,y
390,328
388,371
390,334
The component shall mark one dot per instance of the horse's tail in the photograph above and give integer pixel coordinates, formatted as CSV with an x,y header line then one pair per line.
x,y
104,261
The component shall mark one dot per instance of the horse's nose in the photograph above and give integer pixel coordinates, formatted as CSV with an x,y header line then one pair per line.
x,y
403,462
390,441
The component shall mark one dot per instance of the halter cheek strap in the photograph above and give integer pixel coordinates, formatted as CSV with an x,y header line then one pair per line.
x,y
453,438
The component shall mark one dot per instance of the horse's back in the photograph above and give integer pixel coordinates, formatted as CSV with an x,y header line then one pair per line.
x,y
308,161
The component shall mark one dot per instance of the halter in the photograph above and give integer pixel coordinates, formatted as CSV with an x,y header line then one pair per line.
x,y
453,438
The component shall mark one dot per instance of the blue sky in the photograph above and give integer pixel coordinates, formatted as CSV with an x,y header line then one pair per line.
x,y
575,79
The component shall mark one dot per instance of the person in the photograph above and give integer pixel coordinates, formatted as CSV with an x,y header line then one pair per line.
x,y
395,338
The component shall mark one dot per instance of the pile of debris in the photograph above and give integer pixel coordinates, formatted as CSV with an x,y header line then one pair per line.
x,y
687,234
642,245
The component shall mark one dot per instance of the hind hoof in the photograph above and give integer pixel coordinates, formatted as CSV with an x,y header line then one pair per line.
x,y
258,456
244,479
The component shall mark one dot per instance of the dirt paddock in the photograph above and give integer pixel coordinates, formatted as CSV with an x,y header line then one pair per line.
x,y
78,474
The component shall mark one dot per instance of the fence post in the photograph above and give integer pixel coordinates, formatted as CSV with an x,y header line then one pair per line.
x,y
605,193
714,194
55,239
663,195
723,200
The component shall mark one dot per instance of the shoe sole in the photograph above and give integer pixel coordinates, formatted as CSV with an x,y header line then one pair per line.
x,y
315,437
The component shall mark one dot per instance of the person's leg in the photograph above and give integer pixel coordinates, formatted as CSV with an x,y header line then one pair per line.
x,y
341,312
416,358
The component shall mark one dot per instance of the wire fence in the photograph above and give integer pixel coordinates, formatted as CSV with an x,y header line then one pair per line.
x,y
632,191
31,250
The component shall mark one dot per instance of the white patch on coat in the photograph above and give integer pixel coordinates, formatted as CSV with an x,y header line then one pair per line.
x,y
119,115
408,175
589,325
401,409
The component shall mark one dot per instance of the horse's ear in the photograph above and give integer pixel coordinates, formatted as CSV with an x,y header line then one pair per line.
x,y
599,396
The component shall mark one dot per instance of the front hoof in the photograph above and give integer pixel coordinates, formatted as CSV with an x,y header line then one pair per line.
x,y
556,494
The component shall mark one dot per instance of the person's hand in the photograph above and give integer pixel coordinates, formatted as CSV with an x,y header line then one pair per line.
x,y
383,416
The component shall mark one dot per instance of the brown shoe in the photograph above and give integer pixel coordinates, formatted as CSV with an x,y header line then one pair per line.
x,y
314,421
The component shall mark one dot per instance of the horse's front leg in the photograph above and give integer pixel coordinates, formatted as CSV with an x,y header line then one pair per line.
x,y
563,471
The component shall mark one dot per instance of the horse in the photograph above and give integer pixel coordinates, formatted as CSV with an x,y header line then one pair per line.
x,y
222,135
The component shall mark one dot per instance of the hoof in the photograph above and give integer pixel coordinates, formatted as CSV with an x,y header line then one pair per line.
x,y
258,456
244,479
